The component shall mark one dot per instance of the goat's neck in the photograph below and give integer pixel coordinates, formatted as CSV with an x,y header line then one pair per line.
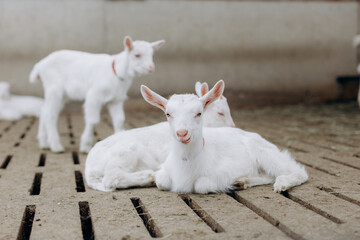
x,y
122,66
188,152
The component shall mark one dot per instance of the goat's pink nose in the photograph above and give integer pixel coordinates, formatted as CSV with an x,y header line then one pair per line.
x,y
182,133
151,68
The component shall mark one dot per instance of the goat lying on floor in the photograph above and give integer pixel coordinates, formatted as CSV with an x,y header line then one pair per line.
x,y
203,160
99,79
14,107
130,158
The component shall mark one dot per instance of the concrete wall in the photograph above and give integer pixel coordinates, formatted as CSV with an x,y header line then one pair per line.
x,y
255,46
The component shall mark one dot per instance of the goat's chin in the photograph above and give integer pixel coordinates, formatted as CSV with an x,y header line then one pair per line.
x,y
185,140
142,72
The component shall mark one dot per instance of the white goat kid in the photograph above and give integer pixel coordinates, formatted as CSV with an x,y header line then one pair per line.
x,y
14,107
99,79
130,158
204,160
217,114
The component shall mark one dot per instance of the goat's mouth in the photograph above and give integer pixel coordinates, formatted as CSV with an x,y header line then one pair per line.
x,y
185,141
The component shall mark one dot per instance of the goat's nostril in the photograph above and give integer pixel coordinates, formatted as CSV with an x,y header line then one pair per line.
x,y
182,133
151,68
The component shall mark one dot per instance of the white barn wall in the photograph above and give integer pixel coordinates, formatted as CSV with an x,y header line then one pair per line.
x,y
254,46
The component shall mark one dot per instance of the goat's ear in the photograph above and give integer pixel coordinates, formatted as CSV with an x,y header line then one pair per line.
x,y
213,94
204,88
201,88
128,43
198,89
157,44
153,98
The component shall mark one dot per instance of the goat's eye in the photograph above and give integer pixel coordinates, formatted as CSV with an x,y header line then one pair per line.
x,y
198,115
138,55
221,114
168,115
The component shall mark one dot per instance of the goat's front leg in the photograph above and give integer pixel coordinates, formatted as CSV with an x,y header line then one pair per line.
x,y
116,110
42,136
205,185
92,108
163,180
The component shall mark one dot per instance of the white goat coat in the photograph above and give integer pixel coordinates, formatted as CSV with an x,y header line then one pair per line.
x,y
16,107
130,158
111,162
204,160
229,154
99,79
77,74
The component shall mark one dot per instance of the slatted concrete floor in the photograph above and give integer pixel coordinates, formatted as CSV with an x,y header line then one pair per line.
x,y
42,195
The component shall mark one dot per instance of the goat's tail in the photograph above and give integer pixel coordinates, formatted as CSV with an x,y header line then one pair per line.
x,y
35,73
356,41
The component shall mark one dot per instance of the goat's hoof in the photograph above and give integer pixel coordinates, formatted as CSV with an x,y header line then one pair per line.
x,y
241,183
85,148
162,188
44,146
152,184
163,181
57,148
281,184
238,185
106,189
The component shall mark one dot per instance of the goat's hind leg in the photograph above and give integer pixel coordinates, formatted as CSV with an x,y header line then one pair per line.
x,y
118,178
285,182
247,182
284,168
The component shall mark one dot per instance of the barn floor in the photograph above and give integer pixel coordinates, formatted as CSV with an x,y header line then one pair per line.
x,y
43,195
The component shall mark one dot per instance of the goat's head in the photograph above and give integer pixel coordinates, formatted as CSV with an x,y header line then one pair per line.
x,y
184,111
218,114
140,55
4,90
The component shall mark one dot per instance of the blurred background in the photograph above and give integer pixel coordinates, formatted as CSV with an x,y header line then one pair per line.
x,y
268,52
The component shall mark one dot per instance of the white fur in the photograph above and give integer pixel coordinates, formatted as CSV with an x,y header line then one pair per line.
x,y
130,158
203,160
356,43
217,114
90,77
14,107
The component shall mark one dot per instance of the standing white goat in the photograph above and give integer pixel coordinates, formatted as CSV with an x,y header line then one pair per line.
x,y
14,107
204,160
130,158
99,79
